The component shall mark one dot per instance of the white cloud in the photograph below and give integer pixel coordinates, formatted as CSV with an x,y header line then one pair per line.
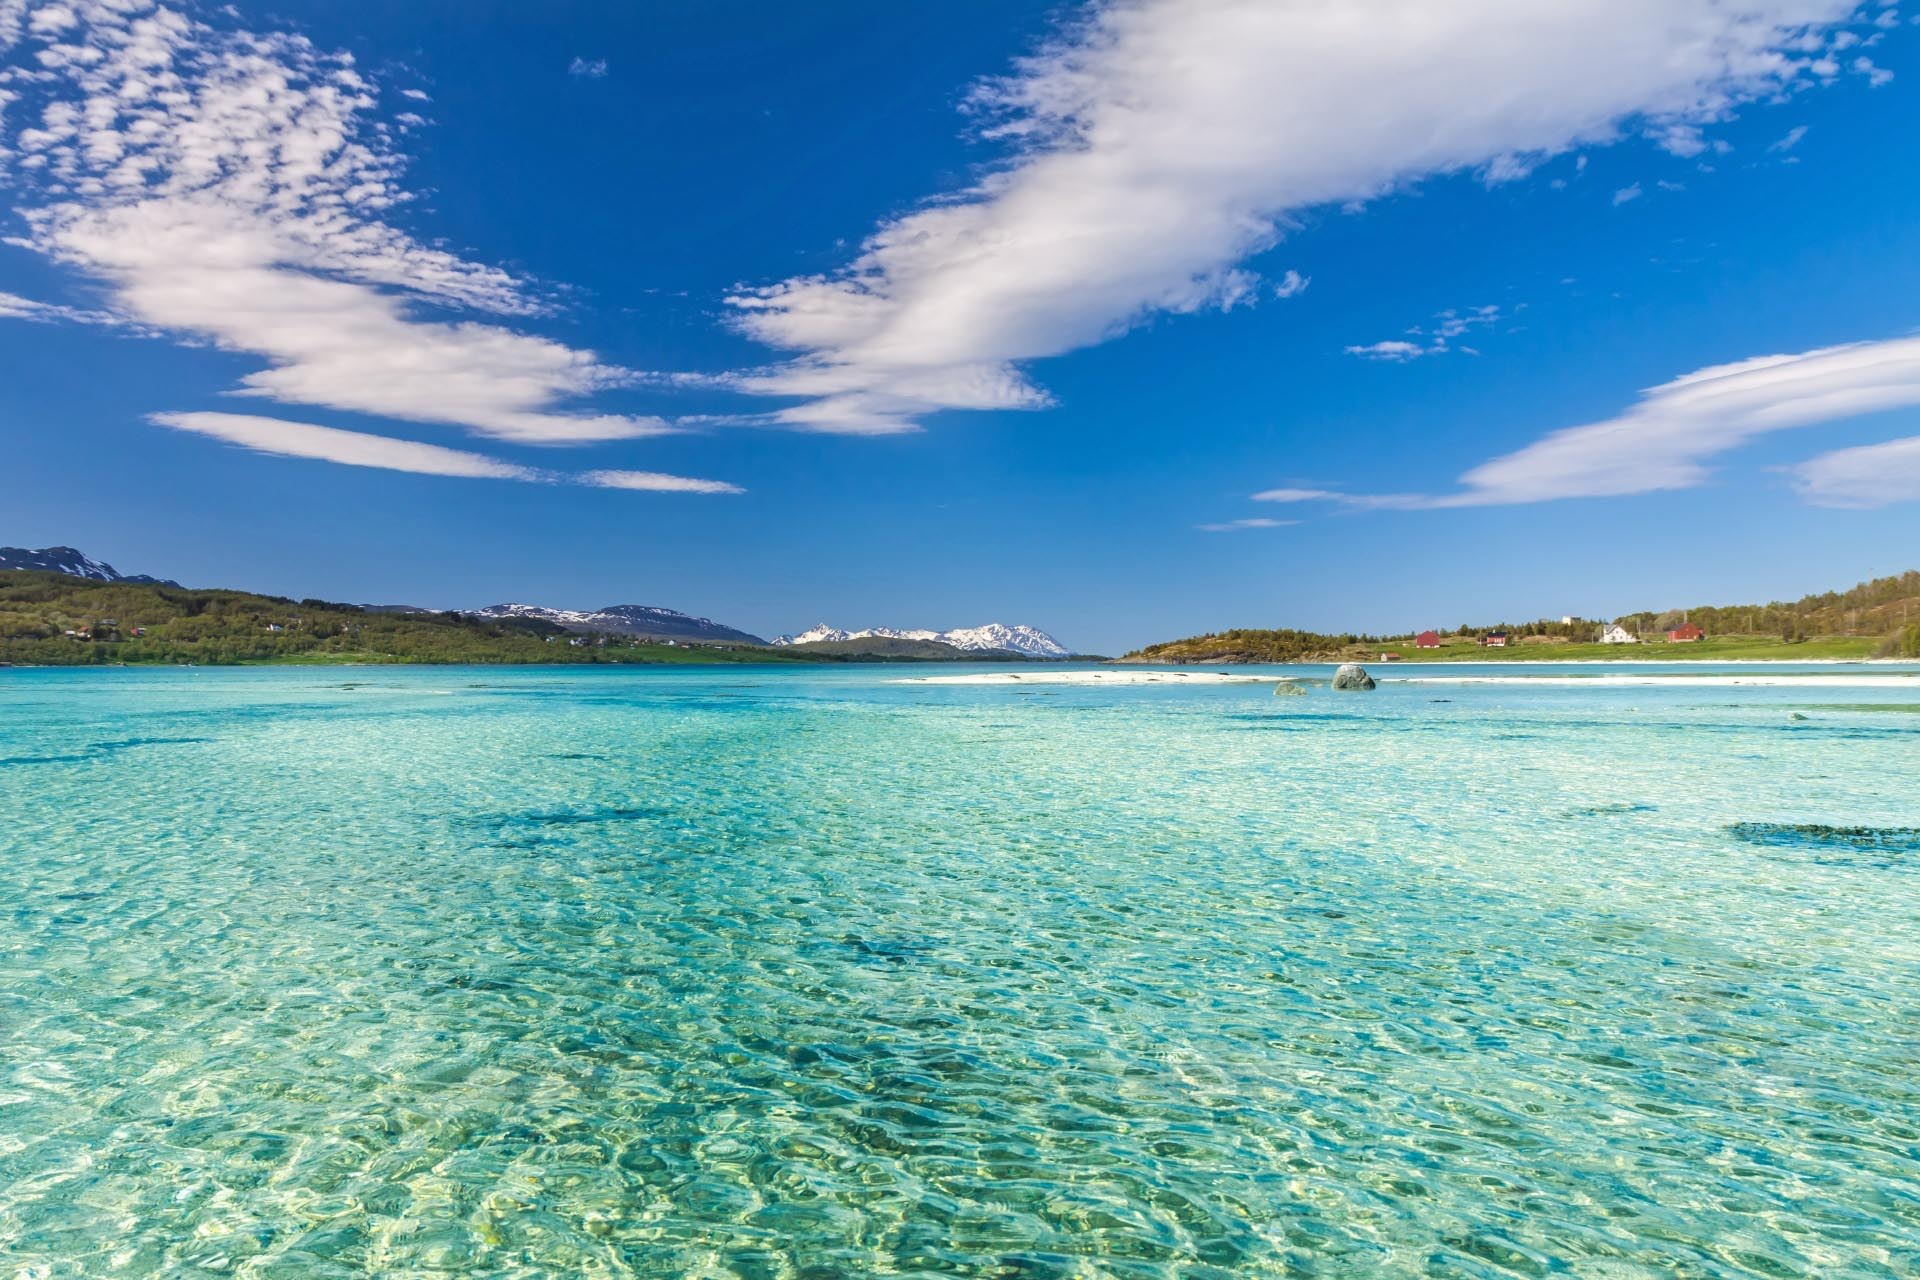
x,y
1298,495
1626,195
588,68
1870,476
1876,76
349,448
1160,142
1667,439
362,449
1437,339
1236,526
1393,350
15,307
231,187
656,482
1292,285
1789,140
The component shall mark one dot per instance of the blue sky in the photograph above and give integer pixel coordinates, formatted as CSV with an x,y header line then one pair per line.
x,y
928,315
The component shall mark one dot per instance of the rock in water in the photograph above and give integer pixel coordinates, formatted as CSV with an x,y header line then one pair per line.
x,y
1288,689
1352,675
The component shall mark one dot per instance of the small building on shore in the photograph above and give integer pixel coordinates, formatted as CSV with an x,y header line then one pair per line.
x,y
1427,640
1685,633
1617,634
1494,640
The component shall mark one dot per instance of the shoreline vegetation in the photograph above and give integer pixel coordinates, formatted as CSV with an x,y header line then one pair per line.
x,y
53,619
1877,619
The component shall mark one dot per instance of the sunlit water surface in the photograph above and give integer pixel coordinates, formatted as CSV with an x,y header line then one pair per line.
x,y
767,973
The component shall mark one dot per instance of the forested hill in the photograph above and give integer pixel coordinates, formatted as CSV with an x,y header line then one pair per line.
x,y
57,620
1882,607
1880,618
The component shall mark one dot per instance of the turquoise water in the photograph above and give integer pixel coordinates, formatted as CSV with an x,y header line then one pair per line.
x,y
765,973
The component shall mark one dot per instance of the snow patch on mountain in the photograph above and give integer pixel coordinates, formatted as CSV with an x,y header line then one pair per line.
x,y
625,619
993,637
73,563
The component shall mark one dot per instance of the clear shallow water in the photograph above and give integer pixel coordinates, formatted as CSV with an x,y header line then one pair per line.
x,y
494,972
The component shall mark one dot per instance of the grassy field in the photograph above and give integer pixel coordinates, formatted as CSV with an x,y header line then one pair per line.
x,y
1712,649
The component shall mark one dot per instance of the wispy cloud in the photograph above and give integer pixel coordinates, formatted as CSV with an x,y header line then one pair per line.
x,y
656,482
1789,140
1627,195
1667,440
1436,339
1239,526
231,187
348,448
1873,475
1292,285
15,307
588,68
1158,143
1392,350
1297,495
287,439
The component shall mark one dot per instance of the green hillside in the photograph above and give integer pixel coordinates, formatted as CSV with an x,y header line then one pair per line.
x,y
1880,618
48,619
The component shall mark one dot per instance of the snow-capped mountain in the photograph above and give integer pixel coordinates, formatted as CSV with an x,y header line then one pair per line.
x,y
993,637
644,620
75,564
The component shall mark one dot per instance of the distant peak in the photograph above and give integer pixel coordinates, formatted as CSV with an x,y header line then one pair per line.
x,y
993,637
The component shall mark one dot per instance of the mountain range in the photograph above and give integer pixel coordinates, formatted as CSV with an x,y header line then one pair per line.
x,y
75,564
646,621
994,637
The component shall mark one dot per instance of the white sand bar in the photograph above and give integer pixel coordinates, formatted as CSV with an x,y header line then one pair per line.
x,y
1652,679
1097,677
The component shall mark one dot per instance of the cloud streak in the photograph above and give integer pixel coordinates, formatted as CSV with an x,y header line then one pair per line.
x,y
1874,475
348,448
282,438
1240,526
656,482
1668,439
1159,143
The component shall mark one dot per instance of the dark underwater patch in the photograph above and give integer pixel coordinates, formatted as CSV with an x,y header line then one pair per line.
x,y
1835,846
98,750
583,817
1610,810
884,950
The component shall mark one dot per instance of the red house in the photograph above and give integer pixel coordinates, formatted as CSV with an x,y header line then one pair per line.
x,y
1427,640
1685,633
1494,640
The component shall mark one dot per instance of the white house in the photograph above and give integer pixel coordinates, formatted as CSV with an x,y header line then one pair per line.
x,y
1617,634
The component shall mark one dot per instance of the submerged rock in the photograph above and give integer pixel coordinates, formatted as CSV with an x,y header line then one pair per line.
x,y
1352,675
1288,689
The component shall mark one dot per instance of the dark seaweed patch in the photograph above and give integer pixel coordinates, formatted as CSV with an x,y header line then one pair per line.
x,y
884,951
1835,846
586,816
1610,810
1814,835
98,750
